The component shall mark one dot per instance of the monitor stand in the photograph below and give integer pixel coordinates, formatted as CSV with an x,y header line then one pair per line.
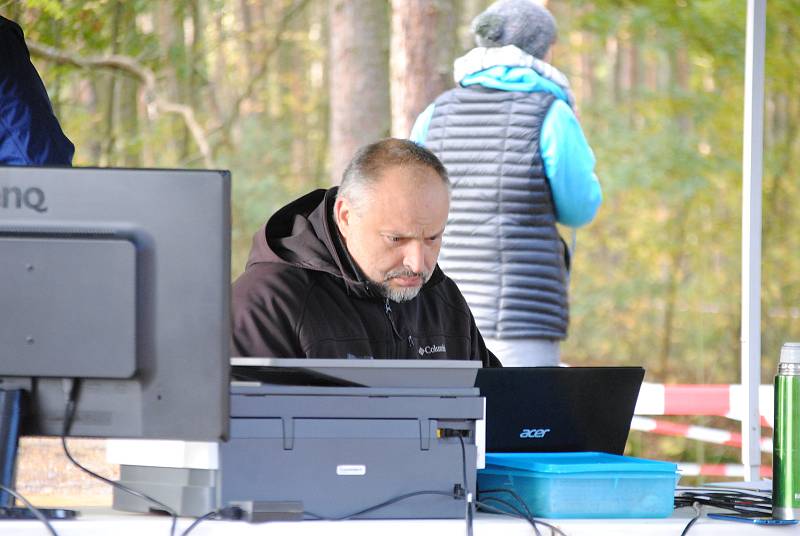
x,y
12,404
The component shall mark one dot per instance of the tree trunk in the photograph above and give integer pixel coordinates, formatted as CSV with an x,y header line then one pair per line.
x,y
618,84
170,20
195,83
129,131
109,158
423,41
675,276
680,71
467,10
587,77
247,34
359,71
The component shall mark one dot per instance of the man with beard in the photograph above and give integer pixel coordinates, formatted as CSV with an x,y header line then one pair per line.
x,y
351,272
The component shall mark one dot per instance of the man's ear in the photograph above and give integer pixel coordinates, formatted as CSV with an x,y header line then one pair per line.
x,y
342,213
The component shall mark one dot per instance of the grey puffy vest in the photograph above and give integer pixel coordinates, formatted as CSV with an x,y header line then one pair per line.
x,y
501,245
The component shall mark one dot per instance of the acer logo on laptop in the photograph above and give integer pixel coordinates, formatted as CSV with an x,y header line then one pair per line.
x,y
534,433
15,197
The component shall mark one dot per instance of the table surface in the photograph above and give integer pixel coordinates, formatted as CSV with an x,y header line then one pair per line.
x,y
103,521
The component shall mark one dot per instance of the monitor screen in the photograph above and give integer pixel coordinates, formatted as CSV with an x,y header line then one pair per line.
x,y
118,278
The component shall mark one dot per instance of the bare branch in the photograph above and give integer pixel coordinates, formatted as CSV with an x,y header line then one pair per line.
x,y
146,76
292,11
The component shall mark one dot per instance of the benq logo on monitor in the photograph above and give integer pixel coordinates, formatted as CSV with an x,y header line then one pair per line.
x,y
14,197
533,433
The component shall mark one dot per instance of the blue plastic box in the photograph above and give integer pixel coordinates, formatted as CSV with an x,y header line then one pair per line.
x,y
581,484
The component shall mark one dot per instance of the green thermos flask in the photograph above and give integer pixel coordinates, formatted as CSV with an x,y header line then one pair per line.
x,y
786,439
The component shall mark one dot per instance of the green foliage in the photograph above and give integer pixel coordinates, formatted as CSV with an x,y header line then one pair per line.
x,y
660,85
52,8
657,275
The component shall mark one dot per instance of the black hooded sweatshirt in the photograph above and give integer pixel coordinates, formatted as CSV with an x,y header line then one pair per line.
x,y
301,295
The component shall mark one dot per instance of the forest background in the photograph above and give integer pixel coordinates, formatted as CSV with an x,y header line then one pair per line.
x,y
281,92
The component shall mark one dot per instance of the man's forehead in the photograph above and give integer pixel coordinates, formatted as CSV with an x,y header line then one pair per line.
x,y
409,193
412,176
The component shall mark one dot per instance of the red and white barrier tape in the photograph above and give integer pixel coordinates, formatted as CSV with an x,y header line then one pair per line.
x,y
700,433
711,469
701,399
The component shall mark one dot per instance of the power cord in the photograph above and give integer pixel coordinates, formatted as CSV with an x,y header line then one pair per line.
x,y
71,388
384,504
518,513
190,528
698,514
229,512
469,512
524,512
459,491
35,511
511,492
727,499
733,500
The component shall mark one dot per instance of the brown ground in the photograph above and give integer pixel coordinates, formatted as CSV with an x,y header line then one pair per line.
x,y
47,478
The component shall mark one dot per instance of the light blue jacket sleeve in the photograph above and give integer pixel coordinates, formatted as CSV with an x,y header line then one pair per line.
x,y
420,129
569,165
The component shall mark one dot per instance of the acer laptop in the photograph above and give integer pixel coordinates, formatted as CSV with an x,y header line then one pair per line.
x,y
559,409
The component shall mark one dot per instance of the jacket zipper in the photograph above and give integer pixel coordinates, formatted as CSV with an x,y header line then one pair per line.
x,y
388,309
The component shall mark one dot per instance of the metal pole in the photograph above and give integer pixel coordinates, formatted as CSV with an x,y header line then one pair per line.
x,y
751,234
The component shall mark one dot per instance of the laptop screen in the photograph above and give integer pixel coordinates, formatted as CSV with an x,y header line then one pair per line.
x,y
559,409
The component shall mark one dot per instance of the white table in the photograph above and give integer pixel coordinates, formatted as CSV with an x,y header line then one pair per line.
x,y
117,524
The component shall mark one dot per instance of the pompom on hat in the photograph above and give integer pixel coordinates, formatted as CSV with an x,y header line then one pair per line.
x,y
522,23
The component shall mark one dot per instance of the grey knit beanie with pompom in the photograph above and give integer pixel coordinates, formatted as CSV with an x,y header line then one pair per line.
x,y
522,23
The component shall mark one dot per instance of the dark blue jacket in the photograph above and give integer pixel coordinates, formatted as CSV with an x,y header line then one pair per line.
x,y
29,131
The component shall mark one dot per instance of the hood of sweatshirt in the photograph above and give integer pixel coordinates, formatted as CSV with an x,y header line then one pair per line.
x,y
304,234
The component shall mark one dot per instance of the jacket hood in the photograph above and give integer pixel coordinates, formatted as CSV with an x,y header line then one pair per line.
x,y
509,68
297,235
303,234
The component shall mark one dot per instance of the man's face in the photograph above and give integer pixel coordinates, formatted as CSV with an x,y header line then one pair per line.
x,y
395,233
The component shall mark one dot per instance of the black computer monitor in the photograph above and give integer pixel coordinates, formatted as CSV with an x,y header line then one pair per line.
x,y
117,278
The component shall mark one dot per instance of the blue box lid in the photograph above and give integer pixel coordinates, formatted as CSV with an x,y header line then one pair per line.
x,y
576,462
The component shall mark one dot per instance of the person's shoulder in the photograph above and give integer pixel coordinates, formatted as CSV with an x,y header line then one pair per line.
x,y
11,34
448,293
272,281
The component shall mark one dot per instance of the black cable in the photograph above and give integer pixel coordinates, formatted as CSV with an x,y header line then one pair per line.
x,y
698,515
734,500
727,499
530,519
389,502
228,512
379,506
190,528
527,514
36,512
515,512
494,510
513,494
72,387
552,527
467,495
